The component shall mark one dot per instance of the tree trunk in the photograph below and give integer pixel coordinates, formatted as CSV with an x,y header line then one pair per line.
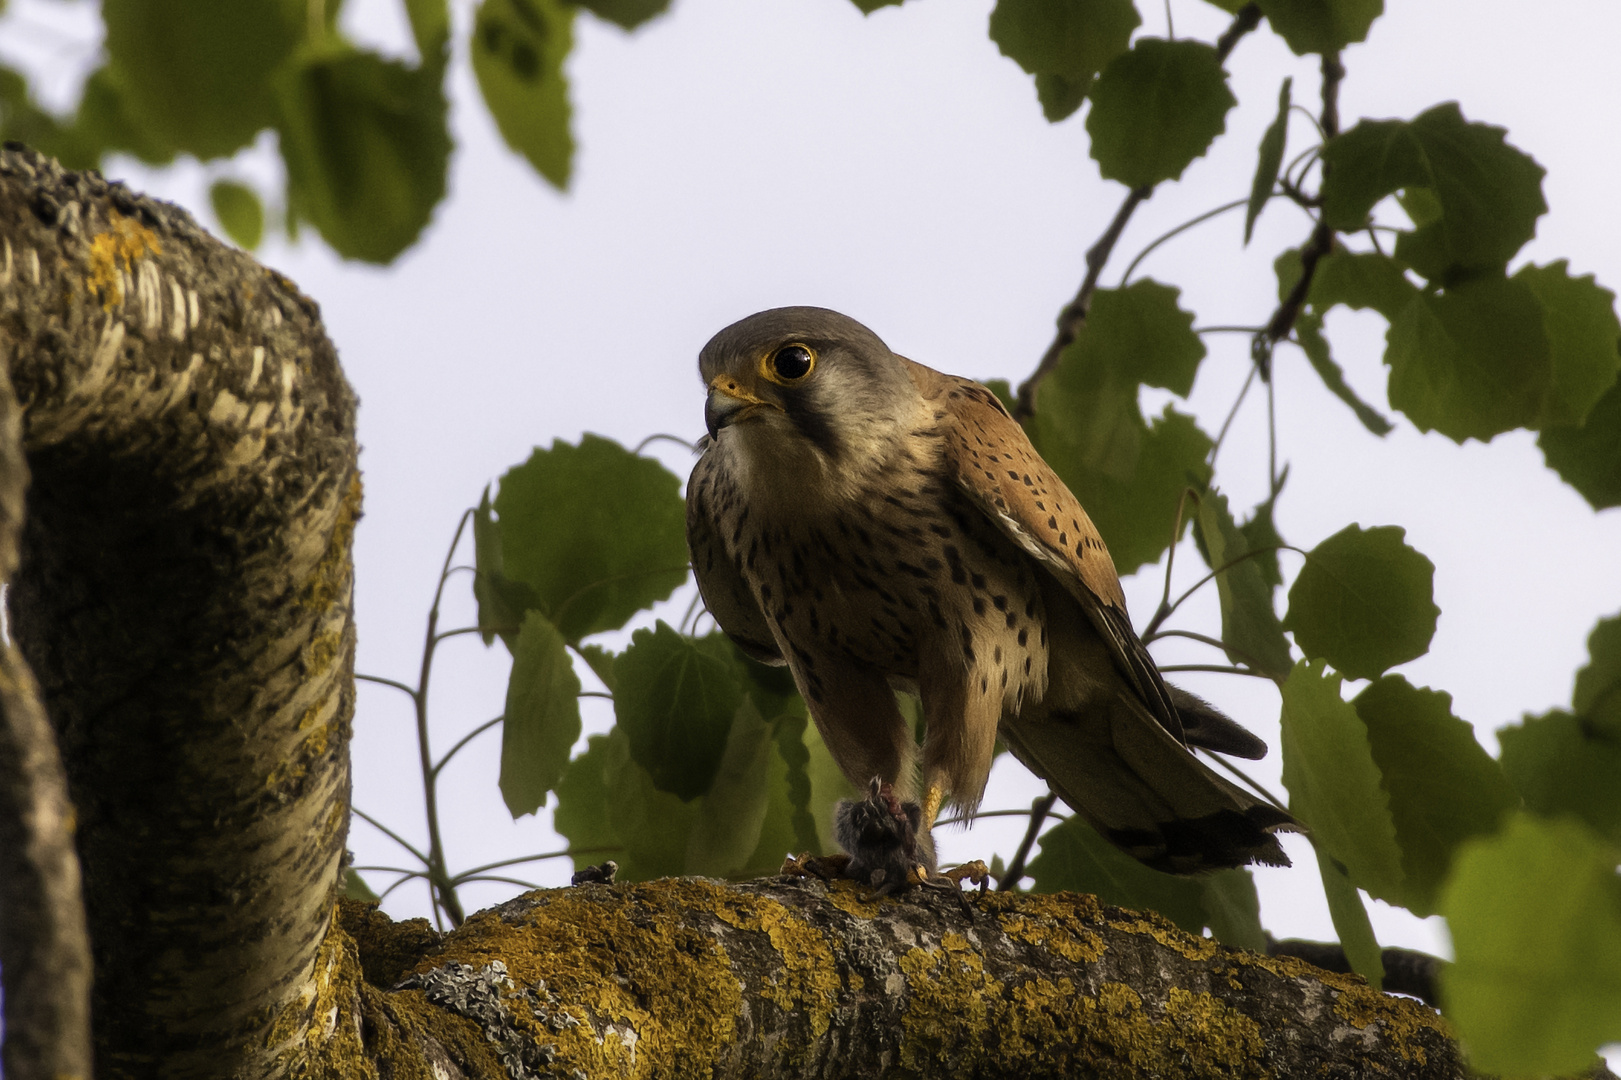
x,y
183,599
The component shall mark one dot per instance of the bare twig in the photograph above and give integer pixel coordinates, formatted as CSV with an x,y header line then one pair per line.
x,y
1320,244
1038,816
1073,317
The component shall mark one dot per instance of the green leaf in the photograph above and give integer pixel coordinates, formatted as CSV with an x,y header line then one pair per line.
x,y
1351,923
732,812
1321,26
1233,909
676,698
1074,858
1535,920
1063,43
1309,329
582,805
239,212
652,827
1156,108
1364,601
1129,475
1597,697
366,147
792,748
1443,787
1471,362
1268,161
198,76
1565,768
1489,193
1060,96
355,888
629,14
1588,458
1578,317
1362,280
430,26
598,532
1335,787
518,51
501,601
1249,624
601,663
542,716
1260,532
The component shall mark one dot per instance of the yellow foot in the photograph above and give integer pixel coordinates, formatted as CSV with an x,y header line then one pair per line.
x,y
825,867
976,873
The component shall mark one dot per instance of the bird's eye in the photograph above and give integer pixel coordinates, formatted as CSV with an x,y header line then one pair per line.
x,y
790,363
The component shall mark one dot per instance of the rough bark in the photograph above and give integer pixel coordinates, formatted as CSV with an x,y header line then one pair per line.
x,y
183,600
789,978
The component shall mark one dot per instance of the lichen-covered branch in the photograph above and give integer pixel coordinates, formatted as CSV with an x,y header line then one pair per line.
x,y
183,601
793,978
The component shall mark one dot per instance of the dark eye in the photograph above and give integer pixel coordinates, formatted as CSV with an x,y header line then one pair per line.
x,y
792,362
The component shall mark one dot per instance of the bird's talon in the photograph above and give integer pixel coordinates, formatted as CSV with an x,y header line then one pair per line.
x,y
975,872
823,867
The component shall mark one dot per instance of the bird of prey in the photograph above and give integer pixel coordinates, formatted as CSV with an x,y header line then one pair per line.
x,y
879,526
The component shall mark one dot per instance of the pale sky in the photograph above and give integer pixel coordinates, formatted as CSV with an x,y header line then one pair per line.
x,y
736,155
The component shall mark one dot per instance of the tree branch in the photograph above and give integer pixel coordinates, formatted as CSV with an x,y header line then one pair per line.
x,y
44,948
1073,316
184,601
795,977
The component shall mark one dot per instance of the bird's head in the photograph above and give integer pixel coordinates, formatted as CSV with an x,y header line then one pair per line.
x,y
802,383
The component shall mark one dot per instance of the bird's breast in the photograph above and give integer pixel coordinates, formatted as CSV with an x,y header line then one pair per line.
x,y
907,577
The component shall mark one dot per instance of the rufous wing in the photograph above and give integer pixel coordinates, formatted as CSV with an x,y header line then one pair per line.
x,y
995,464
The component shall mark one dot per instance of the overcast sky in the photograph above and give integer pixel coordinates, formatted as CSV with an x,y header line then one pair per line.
x,y
736,155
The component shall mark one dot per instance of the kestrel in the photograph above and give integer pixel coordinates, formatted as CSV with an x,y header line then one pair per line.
x,y
879,526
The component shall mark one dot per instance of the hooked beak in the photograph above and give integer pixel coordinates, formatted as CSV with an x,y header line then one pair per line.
x,y
728,401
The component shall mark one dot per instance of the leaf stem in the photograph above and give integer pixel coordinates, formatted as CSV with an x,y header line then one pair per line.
x,y
1182,228
1220,669
463,741
388,832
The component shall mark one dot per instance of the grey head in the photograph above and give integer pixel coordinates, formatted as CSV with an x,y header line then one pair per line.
x,y
806,380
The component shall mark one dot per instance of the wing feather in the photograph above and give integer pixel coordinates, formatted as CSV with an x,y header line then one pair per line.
x,y
995,464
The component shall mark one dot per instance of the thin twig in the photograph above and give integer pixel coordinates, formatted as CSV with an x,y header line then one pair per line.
x,y
1221,669
388,832
459,632
1038,814
1164,610
661,436
1228,329
993,813
379,680
1320,244
468,875
1073,316
507,880
1221,437
464,740
444,891
1182,228
1259,789
1206,639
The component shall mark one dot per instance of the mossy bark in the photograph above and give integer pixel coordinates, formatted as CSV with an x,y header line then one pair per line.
x,y
183,600
790,978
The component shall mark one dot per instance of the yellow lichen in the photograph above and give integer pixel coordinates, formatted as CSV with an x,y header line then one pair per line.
x,y
650,993
1400,1020
320,652
1060,927
124,242
811,978
328,582
852,899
